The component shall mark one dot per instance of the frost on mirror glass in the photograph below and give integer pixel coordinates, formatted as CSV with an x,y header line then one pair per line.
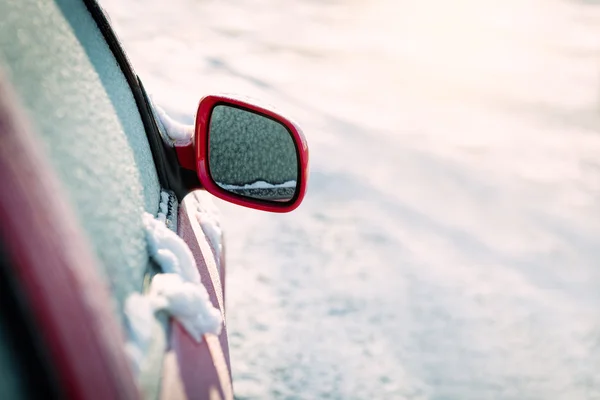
x,y
252,155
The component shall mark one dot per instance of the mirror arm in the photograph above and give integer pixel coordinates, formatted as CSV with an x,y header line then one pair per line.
x,y
186,156
187,177
182,170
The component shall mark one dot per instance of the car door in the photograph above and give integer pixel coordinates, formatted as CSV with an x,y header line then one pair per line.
x,y
89,120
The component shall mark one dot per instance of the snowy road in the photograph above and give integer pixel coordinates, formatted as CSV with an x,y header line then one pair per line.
x,y
449,244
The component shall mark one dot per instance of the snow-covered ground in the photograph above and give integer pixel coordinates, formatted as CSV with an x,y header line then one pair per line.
x,y
449,243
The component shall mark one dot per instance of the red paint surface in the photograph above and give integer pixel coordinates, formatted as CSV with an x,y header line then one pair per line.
x,y
59,279
201,147
186,155
202,366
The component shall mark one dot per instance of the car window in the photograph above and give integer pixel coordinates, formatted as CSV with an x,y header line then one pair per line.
x,y
88,123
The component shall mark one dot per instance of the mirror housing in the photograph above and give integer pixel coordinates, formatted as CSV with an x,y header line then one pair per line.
x,y
258,157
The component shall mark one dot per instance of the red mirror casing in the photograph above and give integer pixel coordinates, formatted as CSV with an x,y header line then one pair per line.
x,y
201,154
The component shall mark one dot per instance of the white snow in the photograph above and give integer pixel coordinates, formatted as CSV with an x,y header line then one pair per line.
x,y
163,207
259,185
177,290
140,317
187,302
181,134
169,250
449,242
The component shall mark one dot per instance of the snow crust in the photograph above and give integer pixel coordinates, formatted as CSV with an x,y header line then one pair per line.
x,y
169,250
185,301
177,290
139,312
181,134
259,185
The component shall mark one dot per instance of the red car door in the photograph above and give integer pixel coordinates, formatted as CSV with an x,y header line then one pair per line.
x,y
204,367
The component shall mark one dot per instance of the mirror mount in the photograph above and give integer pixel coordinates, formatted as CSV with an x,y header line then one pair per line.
x,y
247,154
187,156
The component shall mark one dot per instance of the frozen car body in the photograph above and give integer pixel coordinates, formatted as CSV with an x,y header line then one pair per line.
x,y
81,163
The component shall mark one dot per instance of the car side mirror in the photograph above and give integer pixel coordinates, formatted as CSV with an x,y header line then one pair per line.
x,y
248,154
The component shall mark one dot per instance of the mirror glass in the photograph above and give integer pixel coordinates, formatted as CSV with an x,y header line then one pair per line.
x,y
251,155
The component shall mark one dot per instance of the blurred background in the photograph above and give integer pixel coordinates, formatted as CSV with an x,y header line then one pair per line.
x,y
449,243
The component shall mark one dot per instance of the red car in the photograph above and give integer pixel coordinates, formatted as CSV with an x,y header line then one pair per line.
x,y
112,265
